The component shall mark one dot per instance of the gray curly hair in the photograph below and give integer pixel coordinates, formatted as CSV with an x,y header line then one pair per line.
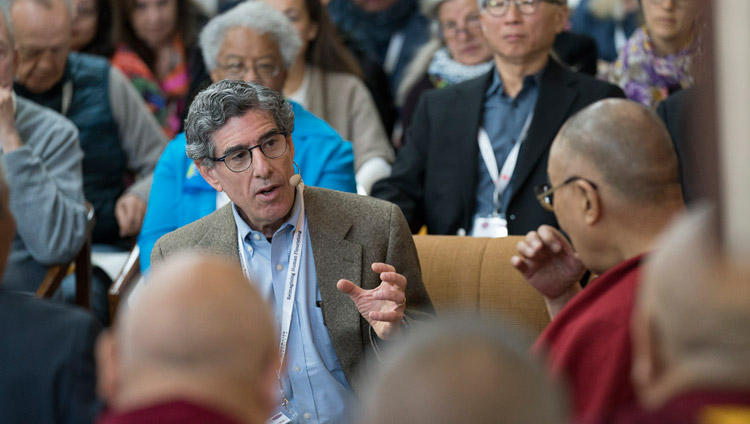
x,y
254,15
215,105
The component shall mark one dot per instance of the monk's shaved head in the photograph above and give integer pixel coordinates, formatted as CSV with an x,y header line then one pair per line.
x,y
464,371
627,143
199,331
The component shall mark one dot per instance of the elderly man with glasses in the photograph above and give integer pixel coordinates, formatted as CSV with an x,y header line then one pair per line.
x,y
614,187
475,151
340,270
251,42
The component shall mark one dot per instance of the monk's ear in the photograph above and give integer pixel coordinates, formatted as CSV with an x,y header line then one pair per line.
x,y
590,202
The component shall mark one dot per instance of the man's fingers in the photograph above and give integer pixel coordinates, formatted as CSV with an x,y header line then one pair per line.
x,y
394,278
396,296
387,316
519,263
348,288
381,267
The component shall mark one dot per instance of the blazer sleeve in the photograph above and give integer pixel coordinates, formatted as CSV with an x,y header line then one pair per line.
x,y
405,186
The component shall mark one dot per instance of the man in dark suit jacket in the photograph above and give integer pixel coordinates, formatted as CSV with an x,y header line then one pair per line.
x,y
48,371
440,178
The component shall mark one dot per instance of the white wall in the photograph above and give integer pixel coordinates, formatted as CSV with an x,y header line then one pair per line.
x,y
732,47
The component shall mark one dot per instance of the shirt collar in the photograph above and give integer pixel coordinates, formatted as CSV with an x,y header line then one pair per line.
x,y
496,87
244,230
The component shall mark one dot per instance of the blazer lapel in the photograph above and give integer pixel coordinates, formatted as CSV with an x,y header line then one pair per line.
x,y
335,258
556,97
215,238
466,114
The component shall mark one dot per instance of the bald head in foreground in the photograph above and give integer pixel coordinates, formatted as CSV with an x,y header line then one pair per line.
x,y
199,342
691,342
614,187
464,372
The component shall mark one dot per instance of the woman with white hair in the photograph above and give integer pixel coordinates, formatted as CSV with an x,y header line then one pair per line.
x,y
251,42
457,52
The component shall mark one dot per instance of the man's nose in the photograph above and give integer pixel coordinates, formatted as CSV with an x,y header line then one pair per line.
x,y
513,14
261,165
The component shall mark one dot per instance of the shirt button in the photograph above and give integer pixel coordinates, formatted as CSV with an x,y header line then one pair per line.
x,y
279,267
256,236
298,369
307,415
512,217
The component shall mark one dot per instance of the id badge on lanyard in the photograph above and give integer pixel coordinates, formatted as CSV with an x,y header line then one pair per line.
x,y
286,414
495,225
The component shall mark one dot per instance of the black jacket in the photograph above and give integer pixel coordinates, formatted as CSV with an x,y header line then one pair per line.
x,y
434,178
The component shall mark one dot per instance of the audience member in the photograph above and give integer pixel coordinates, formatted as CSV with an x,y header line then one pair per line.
x,y
456,53
326,80
576,51
614,180
48,373
157,49
92,28
657,59
197,347
608,22
265,230
690,338
464,372
447,180
391,31
251,33
42,160
117,133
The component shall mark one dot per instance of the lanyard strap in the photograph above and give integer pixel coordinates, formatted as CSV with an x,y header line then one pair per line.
x,y
395,45
501,179
292,277
67,97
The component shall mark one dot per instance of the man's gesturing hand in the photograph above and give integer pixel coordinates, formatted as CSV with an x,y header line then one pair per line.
x,y
549,263
383,307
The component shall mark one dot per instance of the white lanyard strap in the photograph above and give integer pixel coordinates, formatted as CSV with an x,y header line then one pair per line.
x,y
67,97
501,179
394,51
292,277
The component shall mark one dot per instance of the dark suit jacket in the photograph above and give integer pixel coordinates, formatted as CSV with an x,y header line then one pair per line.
x,y
348,233
48,370
434,178
674,112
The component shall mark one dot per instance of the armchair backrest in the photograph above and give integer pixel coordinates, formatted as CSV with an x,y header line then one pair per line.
x,y
475,275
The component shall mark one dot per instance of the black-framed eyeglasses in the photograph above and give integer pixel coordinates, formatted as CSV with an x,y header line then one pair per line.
x,y
544,192
236,67
241,158
499,8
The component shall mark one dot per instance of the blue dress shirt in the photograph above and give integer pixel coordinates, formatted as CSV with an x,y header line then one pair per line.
x,y
503,119
313,380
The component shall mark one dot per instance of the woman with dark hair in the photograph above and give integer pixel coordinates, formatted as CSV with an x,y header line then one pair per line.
x,y
327,81
92,27
156,48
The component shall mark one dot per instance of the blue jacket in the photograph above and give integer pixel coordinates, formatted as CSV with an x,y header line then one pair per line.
x,y
180,195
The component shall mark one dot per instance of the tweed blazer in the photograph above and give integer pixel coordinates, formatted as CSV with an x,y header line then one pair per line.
x,y
348,233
